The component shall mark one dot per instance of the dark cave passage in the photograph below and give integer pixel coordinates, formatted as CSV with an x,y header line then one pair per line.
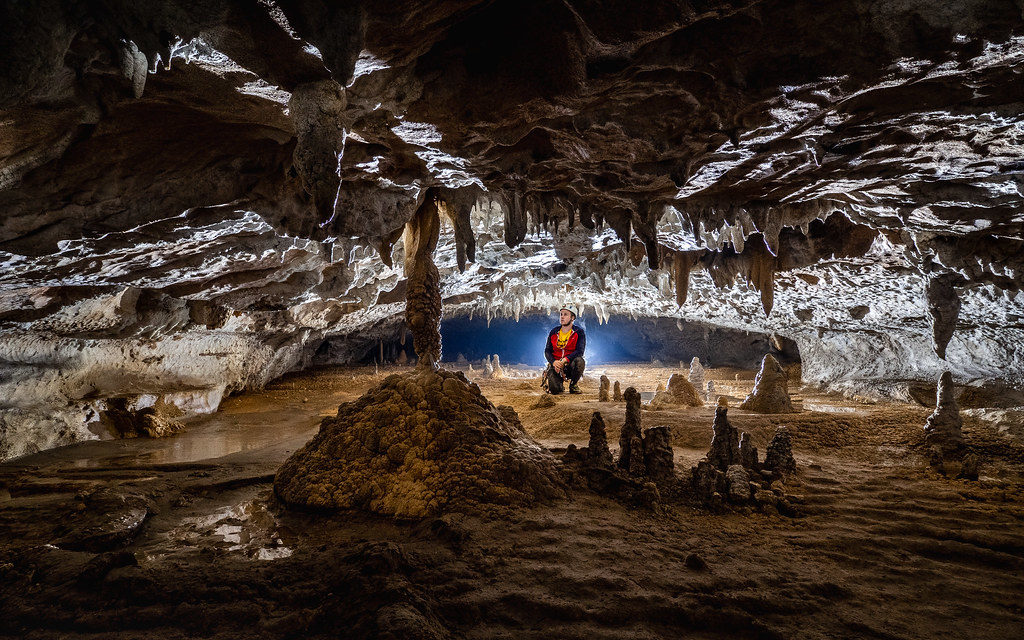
x,y
621,339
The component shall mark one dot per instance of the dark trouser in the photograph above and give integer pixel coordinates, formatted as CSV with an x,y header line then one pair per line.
x,y
572,371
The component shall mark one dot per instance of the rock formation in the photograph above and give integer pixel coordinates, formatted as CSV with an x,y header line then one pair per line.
x,y
617,396
725,441
321,135
598,454
710,391
602,391
731,473
779,457
943,428
659,461
748,453
770,394
696,374
423,293
420,444
493,369
630,433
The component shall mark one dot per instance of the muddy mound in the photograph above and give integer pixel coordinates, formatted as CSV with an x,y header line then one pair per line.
x,y
421,443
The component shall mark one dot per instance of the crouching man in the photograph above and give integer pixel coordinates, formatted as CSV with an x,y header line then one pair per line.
x,y
564,353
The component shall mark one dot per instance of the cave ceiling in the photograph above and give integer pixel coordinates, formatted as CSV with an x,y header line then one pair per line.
x,y
182,168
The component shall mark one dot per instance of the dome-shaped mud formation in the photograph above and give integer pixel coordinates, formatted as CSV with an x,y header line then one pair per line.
x,y
420,444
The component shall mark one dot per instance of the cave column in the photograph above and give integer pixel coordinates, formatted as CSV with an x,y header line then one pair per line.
x,y
423,294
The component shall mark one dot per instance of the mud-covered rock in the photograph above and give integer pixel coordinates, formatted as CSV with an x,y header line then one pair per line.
x,y
617,395
602,391
679,392
420,444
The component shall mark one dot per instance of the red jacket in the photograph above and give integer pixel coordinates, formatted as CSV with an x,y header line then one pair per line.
x,y
573,347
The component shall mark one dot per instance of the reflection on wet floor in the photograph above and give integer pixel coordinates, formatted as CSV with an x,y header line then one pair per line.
x,y
248,528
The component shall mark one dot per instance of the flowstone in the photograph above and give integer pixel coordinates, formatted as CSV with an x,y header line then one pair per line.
x,y
420,444
770,394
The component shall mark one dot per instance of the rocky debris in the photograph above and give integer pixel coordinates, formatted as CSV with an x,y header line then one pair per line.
x,y
602,391
696,374
423,293
420,444
617,395
155,421
943,429
779,457
770,394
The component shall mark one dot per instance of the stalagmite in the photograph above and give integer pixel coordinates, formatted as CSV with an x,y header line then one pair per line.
x,y
944,426
602,392
710,390
679,392
779,457
423,293
696,375
658,456
770,394
725,448
630,430
943,310
748,453
598,454
617,396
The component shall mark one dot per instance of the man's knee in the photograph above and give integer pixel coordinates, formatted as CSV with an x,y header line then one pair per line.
x,y
576,367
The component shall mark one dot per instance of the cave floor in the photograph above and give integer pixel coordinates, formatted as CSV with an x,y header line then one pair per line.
x,y
180,537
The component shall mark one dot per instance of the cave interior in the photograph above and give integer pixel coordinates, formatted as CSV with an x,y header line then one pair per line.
x,y
278,277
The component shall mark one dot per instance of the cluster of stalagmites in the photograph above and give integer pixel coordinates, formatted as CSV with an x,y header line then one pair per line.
x,y
732,474
645,461
420,444
943,435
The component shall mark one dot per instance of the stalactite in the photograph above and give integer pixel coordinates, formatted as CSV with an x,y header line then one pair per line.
x,y
762,277
515,219
423,294
457,205
681,272
943,309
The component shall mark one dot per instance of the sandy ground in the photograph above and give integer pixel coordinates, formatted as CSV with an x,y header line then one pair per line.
x,y
180,537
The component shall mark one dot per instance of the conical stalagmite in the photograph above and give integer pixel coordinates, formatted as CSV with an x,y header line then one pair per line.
x,y
770,394
598,454
617,395
602,392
